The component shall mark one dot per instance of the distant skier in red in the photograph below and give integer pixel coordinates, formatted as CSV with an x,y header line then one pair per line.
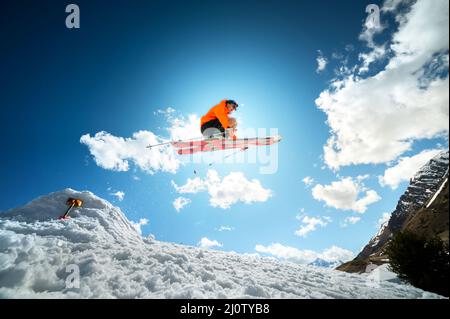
x,y
217,122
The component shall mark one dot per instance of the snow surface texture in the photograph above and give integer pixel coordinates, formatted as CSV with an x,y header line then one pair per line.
x,y
41,257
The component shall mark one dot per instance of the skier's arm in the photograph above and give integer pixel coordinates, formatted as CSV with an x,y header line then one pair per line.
x,y
219,112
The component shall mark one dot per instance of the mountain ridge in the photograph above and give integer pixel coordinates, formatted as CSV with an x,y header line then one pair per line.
x,y
429,184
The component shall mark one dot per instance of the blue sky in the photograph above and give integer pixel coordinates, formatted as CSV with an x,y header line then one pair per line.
x,y
130,59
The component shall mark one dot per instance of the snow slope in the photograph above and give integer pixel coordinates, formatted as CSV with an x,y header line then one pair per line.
x,y
38,255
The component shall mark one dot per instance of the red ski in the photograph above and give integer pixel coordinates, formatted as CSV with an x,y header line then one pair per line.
x,y
210,145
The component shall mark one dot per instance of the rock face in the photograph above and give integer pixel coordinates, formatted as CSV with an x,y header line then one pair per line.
x,y
422,203
423,185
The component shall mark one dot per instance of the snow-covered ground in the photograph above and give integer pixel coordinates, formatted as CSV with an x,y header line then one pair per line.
x,y
98,253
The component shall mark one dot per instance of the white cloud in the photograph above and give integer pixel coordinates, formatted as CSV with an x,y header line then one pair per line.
x,y
295,255
345,194
225,228
351,220
392,5
233,188
376,119
406,168
192,186
114,153
308,181
207,243
311,224
119,195
167,112
180,202
137,225
337,56
335,253
184,129
321,62
377,53
361,178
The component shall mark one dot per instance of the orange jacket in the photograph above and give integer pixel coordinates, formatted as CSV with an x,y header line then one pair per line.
x,y
220,112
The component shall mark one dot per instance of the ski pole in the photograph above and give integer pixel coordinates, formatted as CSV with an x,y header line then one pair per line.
x,y
189,140
161,144
68,210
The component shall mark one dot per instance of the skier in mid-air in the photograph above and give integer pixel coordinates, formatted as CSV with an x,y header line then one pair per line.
x,y
219,133
217,122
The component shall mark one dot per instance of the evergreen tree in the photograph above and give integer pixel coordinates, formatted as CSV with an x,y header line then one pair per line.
x,y
424,263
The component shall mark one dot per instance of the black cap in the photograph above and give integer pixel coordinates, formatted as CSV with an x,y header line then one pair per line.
x,y
232,102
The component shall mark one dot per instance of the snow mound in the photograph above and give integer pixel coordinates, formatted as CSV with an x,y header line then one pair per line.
x,y
97,219
99,254
383,273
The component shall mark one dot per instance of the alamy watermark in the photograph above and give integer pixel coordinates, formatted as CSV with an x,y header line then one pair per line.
x,y
261,148
73,19
373,19
73,279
